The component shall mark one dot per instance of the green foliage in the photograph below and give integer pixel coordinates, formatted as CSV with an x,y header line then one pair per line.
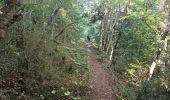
x,y
156,90
101,56
39,68
124,92
138,42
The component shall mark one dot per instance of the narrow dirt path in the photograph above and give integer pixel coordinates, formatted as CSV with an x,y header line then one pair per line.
x,y
100,82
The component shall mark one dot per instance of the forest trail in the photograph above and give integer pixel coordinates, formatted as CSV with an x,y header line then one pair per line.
x,y
100,83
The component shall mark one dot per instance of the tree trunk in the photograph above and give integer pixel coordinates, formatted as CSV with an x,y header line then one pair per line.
x,y
102,33
162,45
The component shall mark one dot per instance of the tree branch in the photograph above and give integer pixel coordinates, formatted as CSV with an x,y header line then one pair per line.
x,y
9,5
50,18
65,27
5,24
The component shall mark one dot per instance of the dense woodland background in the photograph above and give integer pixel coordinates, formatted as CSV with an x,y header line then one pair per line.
x,y
43,52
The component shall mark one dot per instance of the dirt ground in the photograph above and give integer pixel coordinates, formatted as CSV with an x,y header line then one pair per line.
x,y
100,82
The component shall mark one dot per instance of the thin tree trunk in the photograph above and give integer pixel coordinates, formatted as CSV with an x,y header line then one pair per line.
x,y
102,31
160,48
109,44
111,30
50,19
114,50
105,31
45,34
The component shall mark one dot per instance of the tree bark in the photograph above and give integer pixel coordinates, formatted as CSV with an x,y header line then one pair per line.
x,y
161,46
102,32
50,20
